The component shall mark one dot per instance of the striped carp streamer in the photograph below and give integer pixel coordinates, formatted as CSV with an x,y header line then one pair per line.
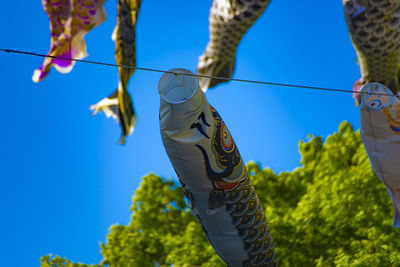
x,y
212,173
70,21
229,21
119,103
374,27
380,132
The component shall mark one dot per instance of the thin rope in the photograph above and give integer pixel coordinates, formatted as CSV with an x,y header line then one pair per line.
x,y
188,74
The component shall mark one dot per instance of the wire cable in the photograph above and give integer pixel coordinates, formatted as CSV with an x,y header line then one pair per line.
x,y
187,74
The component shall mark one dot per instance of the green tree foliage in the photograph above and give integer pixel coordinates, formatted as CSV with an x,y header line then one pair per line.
x,y
331,211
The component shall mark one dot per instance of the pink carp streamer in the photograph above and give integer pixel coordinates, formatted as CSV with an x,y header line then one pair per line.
x,y
229,21
70,20
119,104
374,27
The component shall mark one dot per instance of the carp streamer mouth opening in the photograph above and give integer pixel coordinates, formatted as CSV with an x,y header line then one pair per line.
x,y
178,86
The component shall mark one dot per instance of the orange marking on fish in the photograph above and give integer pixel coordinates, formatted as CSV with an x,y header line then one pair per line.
x,y
226,186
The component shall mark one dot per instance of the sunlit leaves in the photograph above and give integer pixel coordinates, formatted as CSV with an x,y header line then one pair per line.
x,y
331,211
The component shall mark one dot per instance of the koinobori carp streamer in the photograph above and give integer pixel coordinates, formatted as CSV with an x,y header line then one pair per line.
x,y
70,21
119,104
374,27
380,132
212,173
229,21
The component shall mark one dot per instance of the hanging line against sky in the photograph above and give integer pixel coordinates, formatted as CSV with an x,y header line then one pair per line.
x,y
195,75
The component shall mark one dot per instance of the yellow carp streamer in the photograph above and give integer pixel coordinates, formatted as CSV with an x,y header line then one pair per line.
x,y
119,103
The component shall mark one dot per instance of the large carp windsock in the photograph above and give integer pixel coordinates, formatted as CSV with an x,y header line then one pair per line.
x,y
229,21
380,132
212,173
374,27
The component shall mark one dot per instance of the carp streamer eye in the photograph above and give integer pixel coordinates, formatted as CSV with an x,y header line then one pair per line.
x,y
375,103
227,140
377,96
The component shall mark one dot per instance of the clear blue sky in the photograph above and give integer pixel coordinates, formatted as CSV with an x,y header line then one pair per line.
x,y
65,180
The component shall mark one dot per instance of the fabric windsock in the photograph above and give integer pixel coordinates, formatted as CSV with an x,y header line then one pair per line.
x,y
70,21
212,173
374,27
229,22
380,132
119,104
